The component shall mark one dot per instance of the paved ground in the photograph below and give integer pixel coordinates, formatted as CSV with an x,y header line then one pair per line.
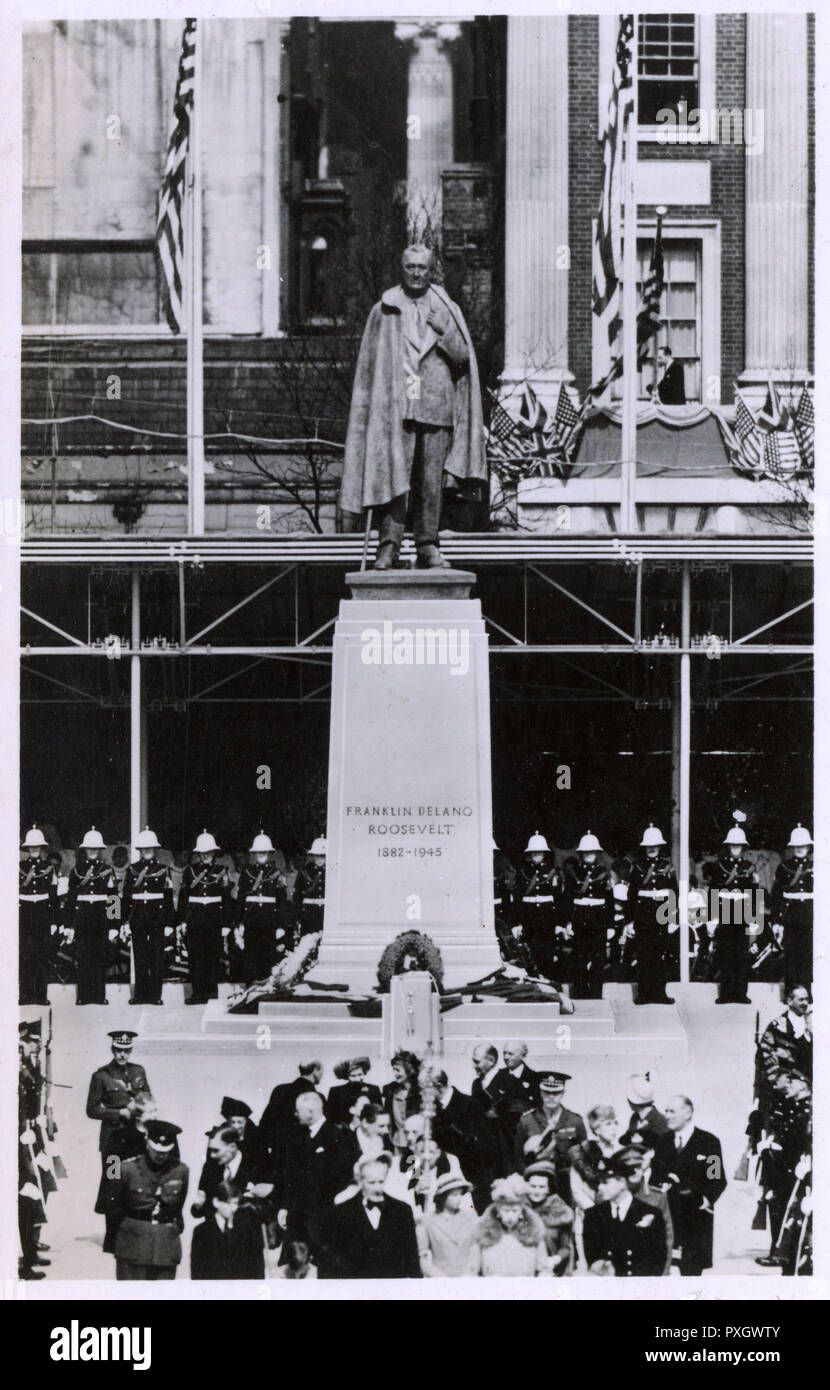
x,y
189,1089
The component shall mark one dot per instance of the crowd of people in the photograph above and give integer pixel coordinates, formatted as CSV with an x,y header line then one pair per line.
x,y
576,924
414,1179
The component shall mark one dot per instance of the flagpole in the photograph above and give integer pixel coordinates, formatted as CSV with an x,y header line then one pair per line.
x,y
195,367
628,511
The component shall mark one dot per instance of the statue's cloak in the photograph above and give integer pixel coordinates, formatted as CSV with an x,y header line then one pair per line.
x,y
375,467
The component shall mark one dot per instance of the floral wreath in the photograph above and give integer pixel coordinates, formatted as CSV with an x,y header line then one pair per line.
x,y
410,951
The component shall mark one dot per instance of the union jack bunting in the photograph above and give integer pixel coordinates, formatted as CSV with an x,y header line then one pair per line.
x,y
804,424
170,223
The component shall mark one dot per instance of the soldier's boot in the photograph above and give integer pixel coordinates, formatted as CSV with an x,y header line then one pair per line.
x,y
391,535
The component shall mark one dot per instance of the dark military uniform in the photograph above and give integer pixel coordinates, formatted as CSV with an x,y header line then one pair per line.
x,y
261,912
148,1207
37,895
734,883
558,1138
310,897
111,1089
204,905
536,891
589,906
147,905
634,1245
791,906
652,902
88,910
505,915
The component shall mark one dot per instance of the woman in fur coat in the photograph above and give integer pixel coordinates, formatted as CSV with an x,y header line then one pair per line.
x,y
509,1239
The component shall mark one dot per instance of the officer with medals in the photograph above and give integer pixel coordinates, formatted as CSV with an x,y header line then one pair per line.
x,y
38,900
261,911
589,906
118,1093
550,1131
90,911
147,910
733,885
204,903
536,890
791,909
310,889
652,896
149,1200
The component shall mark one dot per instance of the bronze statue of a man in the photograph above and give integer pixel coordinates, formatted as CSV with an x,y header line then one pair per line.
x,y
415,414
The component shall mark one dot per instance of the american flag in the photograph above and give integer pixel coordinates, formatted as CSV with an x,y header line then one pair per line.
x,y
533,443
749,436
648,319
607,256
781,453
805,429
170,224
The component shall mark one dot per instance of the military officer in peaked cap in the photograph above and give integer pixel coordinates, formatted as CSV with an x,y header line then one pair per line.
x,y
37,896
147,908
204,902
623,1235
117,1092
90,917
550,1131
652,897
150,1197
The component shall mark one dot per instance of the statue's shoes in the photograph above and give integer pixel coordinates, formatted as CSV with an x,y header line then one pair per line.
x,y
387,556
430,558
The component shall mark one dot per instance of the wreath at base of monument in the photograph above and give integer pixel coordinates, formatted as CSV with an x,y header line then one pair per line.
x,y
412,950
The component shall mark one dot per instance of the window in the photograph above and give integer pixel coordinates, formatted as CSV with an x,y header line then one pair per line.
x,y
680,316
69,286
667,65
690,309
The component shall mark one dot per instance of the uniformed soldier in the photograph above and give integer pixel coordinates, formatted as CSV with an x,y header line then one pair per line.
x,y
791,909
117,1092
589,907
652,896
623,1235
91,917
550,1131
31,1192
203,908
508,928
149,1201
38,898
261,911
147,911
536,893
310,889
733,885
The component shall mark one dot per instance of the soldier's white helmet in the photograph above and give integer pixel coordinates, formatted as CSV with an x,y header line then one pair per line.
x,y
696,900
736,836
147,839
261,844
93,839
537,844
588,844
35,839
652,836
800,836
319,846
204,842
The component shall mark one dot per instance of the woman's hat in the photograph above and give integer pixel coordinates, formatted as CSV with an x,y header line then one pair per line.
x,y
509,1192
451,1182
547,1169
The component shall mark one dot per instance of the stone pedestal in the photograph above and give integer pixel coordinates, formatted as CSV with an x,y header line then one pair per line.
x,y
409,829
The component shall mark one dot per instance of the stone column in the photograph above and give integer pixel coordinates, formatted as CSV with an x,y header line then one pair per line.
x,y
536,205
776,275
430,146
